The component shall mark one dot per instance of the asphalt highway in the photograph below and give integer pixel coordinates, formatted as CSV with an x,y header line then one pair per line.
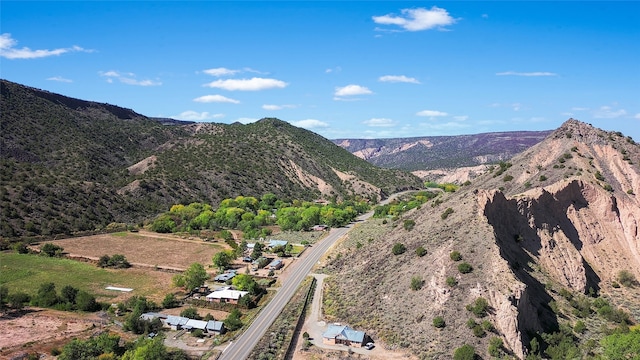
x,y
240,348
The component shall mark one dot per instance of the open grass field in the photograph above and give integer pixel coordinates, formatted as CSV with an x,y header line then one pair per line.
x,y
23,272
144,248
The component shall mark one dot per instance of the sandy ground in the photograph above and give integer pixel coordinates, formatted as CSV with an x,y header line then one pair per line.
x,y
41,330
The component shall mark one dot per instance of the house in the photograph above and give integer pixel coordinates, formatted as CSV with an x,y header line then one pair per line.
x,y
175,322
193,324
226,296
342,334
227,275
215,327
274,243
276,264
150,316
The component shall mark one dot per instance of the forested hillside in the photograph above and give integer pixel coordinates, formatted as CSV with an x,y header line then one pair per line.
x,y
71,165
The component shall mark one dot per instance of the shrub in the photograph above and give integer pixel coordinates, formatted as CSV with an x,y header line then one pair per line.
x,y
451,281
599,176
487,325
507,178
495,346
398,248
478,331
446,213
420,251
416,283
542,178
51,250
579,327
626,278
465,268
409,224
455,256
630,192
480,307
170,301
465,352
191,313
439,322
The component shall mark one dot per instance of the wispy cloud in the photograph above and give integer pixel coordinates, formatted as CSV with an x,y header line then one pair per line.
x,y
246,120
9,51
379,122
222,71
575,108
191,115
398,78
535,73
417,19
60,79
127,78
352,90
331,70
607,112
253,84
216,99
310,124
637,116
431,113
277,107
461,117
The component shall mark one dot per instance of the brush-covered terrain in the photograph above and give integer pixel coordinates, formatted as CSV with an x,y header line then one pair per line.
x,y
70,165
537,258
437,152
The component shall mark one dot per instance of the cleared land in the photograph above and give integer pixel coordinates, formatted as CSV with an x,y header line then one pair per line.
x,y
22,272
144,248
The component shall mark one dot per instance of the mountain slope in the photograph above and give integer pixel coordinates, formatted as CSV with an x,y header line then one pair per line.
x,y
559,220
71,165
433,152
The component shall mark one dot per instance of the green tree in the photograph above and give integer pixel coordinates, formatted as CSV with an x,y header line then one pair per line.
x,y
17,300
68,294
257,251
455,256
46,296
622,346
86,302
495,346
222,259
421,251
233,321
480,307
439,322
170,301
244,282
51,250
465,268
192,278
465,352
4,296
191,313
409,224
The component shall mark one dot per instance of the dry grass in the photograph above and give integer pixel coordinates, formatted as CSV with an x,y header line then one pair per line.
x,y
144,248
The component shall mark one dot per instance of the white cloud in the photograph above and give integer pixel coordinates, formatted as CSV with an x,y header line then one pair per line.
x,y
379,122
128,78
351,90
59,79
417,19
253,84
191,115
398,78
637,116
607,112
431,113
330,70
516,106
220,72
461,117
9,51
310,124
277,107
535,73
216,99
579,108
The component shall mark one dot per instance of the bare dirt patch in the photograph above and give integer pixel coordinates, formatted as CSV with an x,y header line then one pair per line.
x,y
40,330
144,248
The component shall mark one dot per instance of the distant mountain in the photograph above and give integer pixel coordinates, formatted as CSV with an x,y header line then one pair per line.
x,y
548,236
71,165
436,152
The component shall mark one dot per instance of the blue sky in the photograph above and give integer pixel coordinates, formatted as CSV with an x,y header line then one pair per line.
x,y
341,69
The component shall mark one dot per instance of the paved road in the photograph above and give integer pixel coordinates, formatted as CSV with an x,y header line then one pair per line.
x,y
243,345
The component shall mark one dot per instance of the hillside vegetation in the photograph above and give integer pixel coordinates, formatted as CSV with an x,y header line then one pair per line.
x,y
436,152
71,165
526,261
